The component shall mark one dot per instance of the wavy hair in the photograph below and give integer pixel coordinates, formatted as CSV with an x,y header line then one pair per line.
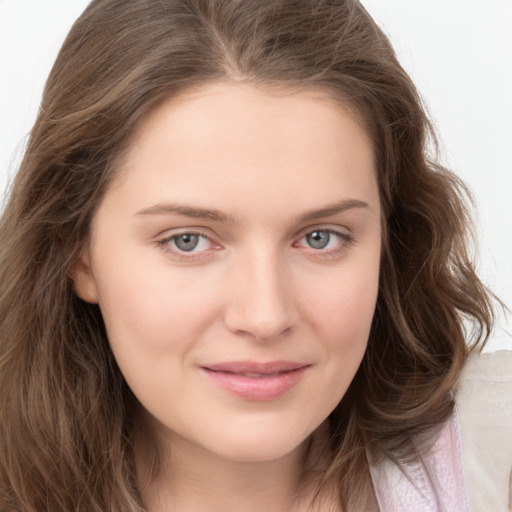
x,y
65,411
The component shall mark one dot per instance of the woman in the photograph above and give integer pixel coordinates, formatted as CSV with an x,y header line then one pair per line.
x,y
232,276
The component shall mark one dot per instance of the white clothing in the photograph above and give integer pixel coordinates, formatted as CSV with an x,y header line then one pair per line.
x,y
469,467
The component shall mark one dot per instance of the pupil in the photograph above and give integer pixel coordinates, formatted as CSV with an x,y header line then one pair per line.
x,y
318,239
186,242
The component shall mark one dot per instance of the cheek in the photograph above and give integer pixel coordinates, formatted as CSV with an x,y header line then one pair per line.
x,y
342,314
153,311
344,306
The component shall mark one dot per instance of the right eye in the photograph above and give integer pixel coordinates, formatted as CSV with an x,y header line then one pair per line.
x,y
187,245
189,242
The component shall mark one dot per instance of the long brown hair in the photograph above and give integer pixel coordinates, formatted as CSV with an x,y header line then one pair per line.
x,y
65,410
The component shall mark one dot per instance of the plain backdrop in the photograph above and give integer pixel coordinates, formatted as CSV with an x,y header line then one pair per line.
x,y
459,53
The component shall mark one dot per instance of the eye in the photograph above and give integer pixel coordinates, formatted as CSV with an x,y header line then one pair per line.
x,y
187,245
327,242
319,239
187,242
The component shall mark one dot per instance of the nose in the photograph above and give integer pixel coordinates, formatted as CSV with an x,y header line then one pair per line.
x,y
261,303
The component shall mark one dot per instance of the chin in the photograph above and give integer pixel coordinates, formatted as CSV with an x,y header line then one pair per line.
x,y
262,446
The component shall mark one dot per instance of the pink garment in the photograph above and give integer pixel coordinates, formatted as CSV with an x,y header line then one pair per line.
x,y
434,483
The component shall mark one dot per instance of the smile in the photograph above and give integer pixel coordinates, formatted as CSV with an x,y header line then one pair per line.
x,y
256,381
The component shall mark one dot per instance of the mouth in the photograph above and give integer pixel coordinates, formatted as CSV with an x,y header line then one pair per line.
x,y
256,381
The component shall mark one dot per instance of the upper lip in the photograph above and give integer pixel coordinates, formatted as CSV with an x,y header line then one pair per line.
x,y
255,367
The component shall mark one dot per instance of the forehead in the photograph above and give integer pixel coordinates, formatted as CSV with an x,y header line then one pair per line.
x,y
239,142
247,109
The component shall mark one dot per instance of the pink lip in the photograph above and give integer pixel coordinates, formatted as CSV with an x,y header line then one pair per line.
x,y
256,381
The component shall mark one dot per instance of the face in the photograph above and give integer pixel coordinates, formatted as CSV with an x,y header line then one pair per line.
x,y
235,260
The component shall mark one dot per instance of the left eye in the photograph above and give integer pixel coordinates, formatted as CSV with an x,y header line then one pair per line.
x,y
321,239
189,242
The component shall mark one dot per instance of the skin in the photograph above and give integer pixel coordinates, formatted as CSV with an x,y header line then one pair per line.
x,y
270,166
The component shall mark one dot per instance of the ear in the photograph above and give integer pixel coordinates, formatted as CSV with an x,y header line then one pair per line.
x,y
84,283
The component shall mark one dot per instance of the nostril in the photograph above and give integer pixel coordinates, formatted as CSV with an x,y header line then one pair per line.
x,y
263,338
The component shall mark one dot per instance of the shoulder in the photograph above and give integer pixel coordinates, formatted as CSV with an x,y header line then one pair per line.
x,y
432,481
484,405
468,464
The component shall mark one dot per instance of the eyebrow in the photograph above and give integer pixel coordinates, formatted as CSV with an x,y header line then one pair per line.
x,y
333,209
186,211
216,215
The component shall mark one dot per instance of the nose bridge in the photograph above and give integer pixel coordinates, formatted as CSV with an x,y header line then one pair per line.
x,y
261,302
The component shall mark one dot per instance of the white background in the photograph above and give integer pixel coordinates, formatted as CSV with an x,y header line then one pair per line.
x,y
458,52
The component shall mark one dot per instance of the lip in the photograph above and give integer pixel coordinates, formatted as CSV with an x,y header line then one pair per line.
x,y
256,381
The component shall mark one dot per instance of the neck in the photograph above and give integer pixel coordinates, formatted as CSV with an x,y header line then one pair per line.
x,y
192,479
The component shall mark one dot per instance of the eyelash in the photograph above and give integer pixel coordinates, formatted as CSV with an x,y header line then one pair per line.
x,y
346,241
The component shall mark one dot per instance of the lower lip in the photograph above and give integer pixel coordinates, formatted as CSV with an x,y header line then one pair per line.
x,y
257,388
